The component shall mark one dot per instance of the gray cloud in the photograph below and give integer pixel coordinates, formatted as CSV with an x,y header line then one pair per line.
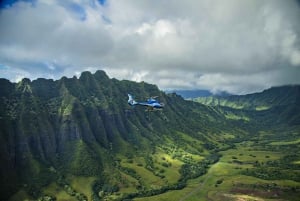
x,y
237,46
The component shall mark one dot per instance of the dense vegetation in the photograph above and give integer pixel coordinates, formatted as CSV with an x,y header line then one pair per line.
x,y
77,139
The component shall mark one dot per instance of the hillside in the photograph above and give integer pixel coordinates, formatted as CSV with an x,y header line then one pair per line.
x,y
78,139
280,104
82,126
275,96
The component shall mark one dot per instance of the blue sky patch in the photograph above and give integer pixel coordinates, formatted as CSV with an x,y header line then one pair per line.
x,y
3,67
102,2
9,3
78,10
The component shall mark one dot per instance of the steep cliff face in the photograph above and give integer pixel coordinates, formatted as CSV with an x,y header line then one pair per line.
x,y
74,125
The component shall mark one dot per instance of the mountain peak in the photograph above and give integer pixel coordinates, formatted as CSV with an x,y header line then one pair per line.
x,y
24,86
86,74
100,74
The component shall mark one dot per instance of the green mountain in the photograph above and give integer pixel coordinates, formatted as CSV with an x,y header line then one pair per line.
x,y
275,96
78,139
280,103
83,126
188,94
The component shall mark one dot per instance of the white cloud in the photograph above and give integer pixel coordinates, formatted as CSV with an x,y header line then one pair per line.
x,y
295,58
233,45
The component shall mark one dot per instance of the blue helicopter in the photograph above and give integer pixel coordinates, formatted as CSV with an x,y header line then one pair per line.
x,y
151,103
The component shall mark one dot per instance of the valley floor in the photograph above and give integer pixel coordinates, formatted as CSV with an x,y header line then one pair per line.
x,y
226,180
250,171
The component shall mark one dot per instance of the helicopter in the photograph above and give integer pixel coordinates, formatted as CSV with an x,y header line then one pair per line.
x,y
151,103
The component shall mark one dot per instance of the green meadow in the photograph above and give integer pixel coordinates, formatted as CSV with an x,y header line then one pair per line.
x,y
230,178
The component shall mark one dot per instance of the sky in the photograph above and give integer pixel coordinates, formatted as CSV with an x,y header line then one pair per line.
x,y
234,46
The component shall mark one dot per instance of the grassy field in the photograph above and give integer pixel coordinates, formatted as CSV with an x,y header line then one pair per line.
x,y
165,169
129,185
148,179
285,142
82,184
224,180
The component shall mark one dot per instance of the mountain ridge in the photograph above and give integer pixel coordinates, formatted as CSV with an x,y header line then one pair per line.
x,y
45,122
274,96
84,127
283,102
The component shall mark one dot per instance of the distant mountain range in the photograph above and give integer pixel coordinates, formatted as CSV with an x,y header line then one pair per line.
x,y
282,102
84,127
191,93
275,96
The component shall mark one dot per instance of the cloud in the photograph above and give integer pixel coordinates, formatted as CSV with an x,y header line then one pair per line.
x,y
237,46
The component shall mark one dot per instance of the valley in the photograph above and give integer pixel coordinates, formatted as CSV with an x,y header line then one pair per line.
x,y
77,139
248,171
140,100
245,173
